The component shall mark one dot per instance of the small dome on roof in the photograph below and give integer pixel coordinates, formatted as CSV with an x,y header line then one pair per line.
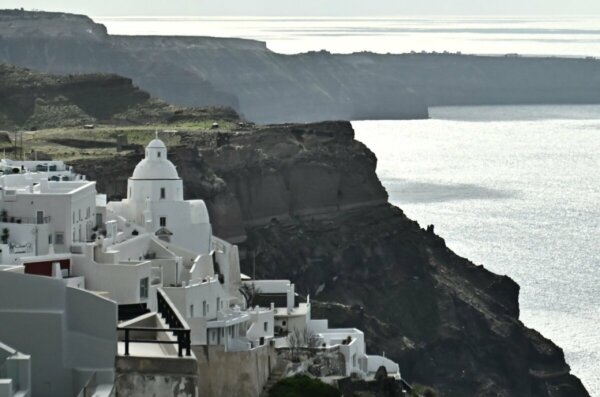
x,y
156,144
147,169
155,165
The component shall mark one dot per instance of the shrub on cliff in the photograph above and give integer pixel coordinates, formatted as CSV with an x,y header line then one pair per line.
x,y
301,386
423,391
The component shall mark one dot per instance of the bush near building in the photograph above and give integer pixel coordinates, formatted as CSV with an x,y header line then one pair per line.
x,y
423,391
302,386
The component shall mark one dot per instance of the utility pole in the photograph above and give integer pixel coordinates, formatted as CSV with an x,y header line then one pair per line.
x,y
253,265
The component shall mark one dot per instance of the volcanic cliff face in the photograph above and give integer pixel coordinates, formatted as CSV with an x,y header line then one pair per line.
x,y
35,101
309,203
267,87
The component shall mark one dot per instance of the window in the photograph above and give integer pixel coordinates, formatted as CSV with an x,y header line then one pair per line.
x,y
144,288
88,213
218,303
192,311
163,221
265,326
204,309
59,238
129,192
49,239
40,217
158,154
99,220
163,193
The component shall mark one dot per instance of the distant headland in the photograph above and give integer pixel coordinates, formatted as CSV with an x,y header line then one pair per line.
x,y
267,87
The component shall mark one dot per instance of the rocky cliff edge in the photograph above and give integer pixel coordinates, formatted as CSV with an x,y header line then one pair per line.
x,y
305,203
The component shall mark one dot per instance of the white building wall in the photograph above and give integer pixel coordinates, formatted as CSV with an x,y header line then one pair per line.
x,y
25,240
70,205
133,249
40,324
15,373
228,260
120,280
199,299
263,324
139,190
186,234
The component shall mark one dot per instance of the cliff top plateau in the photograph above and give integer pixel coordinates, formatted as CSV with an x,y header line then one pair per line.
x,y
267,87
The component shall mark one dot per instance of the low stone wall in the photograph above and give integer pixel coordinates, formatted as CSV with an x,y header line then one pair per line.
x,y
154,376
239,374
317,362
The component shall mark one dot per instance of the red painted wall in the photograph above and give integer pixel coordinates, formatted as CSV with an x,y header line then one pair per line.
x,y
45,268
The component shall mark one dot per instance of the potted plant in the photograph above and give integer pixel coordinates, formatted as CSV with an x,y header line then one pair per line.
x,y
5,235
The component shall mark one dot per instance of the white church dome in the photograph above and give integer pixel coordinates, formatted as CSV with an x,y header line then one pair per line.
x,y
156,144
155,165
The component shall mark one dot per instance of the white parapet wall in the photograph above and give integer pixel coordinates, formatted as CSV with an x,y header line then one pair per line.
x,y
375,362
69,333
15,373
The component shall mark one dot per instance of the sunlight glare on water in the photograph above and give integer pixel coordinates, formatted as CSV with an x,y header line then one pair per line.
x,y
516,189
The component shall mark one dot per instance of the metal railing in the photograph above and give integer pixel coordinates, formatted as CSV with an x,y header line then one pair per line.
x,y
166,310
182,342
176,324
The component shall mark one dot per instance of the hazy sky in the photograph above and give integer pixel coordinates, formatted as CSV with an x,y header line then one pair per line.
x,y
308,7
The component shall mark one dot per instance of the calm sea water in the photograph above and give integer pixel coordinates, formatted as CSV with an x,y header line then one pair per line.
x,y
514,188
564,35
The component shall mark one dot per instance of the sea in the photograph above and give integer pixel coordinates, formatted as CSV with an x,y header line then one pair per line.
x,y
514,188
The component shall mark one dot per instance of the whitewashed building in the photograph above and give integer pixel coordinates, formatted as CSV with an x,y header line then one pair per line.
x,y
40,220
69,333
154,255
155,202
15,373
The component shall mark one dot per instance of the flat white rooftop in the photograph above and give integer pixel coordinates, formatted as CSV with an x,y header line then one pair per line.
x,y
147,349
34,183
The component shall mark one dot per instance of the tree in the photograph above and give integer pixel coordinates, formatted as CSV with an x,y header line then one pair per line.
x,y
299,340
250,294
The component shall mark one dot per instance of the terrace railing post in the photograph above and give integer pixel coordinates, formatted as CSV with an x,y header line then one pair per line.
x,y
180,342
188,343
126,342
